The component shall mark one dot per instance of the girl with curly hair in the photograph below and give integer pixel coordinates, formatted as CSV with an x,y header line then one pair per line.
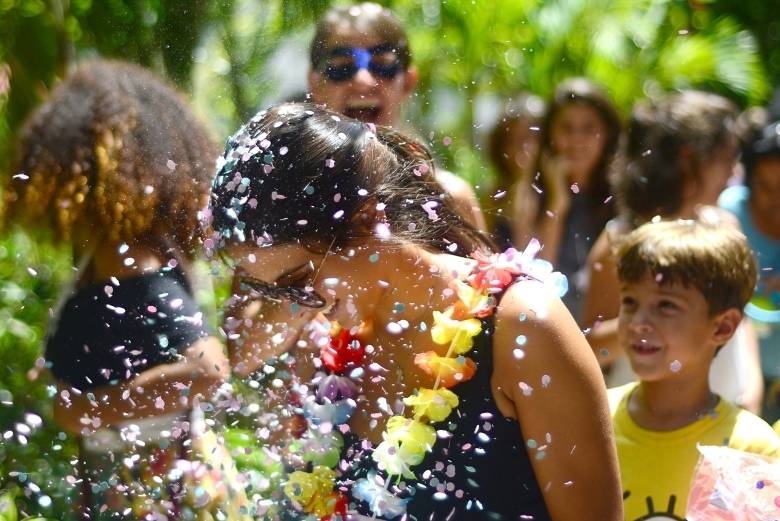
x,y
115,165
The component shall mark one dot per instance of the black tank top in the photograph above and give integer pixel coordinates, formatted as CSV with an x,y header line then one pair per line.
x,y
112,332
481,469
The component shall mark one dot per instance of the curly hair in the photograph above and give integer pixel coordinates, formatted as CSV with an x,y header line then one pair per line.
x,y
117,150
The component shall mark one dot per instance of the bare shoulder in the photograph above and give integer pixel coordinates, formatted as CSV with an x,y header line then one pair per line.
x,y
716,215
533,318
455,185
602,248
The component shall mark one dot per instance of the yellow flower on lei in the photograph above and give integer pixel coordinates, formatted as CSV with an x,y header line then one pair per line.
x,y
434,404
405,443
459,334
312,490
475,301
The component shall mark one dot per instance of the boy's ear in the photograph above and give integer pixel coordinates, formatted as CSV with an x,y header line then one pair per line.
x,y
410,80
726,325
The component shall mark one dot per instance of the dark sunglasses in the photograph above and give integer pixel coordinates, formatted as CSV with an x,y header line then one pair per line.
x,y
343,63
300,296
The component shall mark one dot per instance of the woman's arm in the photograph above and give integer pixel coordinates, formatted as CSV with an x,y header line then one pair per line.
x,y
753,393
259,329
159,390
557,394
464,197
602,301
550,223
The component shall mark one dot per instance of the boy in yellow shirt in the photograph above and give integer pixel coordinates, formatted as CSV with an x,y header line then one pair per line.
x,y
683,287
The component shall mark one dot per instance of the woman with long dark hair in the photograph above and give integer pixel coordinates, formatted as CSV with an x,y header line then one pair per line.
x,y
410,369
570,198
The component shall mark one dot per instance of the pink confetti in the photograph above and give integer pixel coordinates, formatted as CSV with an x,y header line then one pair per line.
x,y
330,163
429,209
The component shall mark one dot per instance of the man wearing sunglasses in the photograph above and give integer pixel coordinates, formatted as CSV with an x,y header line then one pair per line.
x,y
361,66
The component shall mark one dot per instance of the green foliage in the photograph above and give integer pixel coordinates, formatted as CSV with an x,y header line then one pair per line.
x,y
31,275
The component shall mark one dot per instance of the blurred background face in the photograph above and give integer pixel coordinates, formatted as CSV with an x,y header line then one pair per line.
x,y
765,195
366,96
578,135
522,144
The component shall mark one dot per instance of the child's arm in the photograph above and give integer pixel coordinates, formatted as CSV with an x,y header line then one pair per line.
x,y
260,329
557,394
162,389
602,301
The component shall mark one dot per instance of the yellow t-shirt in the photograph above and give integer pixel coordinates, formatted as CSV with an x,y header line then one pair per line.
x,y
656,467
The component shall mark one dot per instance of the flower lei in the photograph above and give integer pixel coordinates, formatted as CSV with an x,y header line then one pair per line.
x,y
405,440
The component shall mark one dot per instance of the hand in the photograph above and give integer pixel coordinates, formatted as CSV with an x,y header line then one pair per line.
x,y
554,171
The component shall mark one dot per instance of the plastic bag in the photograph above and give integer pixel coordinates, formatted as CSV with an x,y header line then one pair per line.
x,y
731,485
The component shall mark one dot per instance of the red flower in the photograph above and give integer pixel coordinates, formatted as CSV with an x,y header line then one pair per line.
x,y
343,351
494,271
339,508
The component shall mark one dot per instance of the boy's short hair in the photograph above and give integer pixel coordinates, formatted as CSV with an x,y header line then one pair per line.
x,y
365,18
714,259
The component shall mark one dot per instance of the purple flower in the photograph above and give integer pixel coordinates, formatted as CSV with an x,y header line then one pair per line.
x,y
334,387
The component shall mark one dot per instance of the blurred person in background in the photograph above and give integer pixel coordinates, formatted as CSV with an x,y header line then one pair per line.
x,y
569,199
680,154
513,145
116,165
756,205
361,66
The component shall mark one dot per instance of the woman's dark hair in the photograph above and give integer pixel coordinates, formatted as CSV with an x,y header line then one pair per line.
x,y
660,132
526,108
300,173
118,150
366,18
585,92
764,144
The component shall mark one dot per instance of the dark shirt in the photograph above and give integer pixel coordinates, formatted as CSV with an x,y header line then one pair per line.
x,y
112,332
483,469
